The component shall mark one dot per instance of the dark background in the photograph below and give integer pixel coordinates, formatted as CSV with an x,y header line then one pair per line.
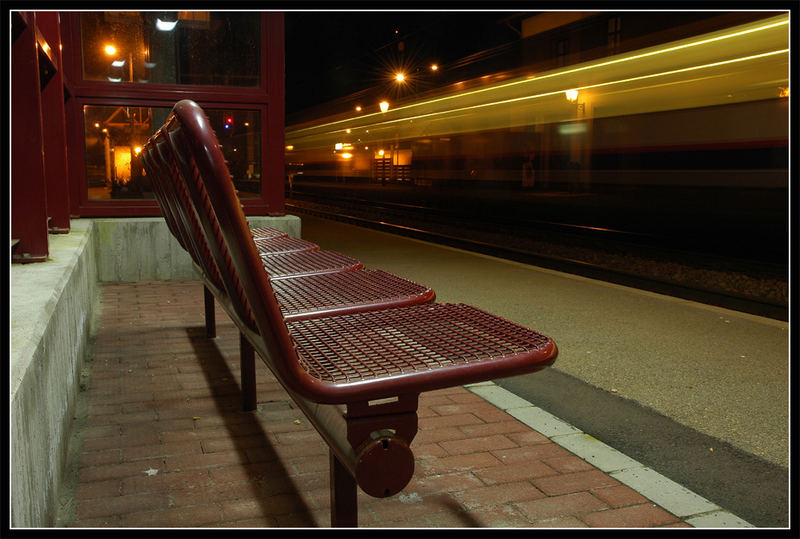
x,y
330,54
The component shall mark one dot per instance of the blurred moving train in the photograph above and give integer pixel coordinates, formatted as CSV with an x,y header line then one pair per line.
x,y
708,112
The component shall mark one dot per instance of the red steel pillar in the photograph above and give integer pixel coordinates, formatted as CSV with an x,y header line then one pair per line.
x,y
55,131
28,190
274,147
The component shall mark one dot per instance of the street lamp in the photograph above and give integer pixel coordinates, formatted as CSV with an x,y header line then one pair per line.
x,y
572,95
111,50
165,26
384,105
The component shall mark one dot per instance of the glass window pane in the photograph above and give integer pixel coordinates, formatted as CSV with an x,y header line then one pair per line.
x,y
114,135
179,47
239,133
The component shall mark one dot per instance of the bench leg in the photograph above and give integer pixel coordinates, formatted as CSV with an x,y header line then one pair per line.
x,y
344,505
247,362
211,321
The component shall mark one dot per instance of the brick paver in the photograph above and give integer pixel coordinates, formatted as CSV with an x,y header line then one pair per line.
x,y
164,443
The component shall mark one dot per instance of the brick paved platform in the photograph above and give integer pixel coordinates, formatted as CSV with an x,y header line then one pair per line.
x,y
163,443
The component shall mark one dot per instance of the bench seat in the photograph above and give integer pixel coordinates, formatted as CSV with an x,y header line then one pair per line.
x,y
378,354
283,265
267,233
283,244
346,292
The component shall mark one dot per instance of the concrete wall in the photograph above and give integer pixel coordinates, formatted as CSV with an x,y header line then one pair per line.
x,y
143,249
53,307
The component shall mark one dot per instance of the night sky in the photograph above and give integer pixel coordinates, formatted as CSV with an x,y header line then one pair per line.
x,y
334,54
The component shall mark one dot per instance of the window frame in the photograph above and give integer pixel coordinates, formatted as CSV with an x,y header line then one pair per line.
x,y
267,98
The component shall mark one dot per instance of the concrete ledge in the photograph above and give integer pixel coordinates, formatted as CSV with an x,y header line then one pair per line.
x,y
52,305
143,249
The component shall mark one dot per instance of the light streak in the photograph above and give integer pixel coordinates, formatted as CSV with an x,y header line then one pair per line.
x,y
387,123
705,41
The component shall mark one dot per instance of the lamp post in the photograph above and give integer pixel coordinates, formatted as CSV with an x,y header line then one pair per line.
x,y
107,154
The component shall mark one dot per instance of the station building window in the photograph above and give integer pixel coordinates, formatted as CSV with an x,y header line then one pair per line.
x,y
127,69
186,47
114,136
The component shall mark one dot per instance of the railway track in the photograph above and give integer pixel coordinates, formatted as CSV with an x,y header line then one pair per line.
x,y
631,259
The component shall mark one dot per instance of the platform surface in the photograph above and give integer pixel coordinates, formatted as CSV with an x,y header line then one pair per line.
x,y
723,373
160,440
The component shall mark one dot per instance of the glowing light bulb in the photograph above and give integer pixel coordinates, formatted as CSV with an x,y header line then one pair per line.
x,y
165,26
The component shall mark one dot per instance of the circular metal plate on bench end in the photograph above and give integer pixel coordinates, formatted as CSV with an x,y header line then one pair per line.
x,y
384,467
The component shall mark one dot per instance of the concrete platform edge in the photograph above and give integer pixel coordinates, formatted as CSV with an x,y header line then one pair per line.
x,y
692,508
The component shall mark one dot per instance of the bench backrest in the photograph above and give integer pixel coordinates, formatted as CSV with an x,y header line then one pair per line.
x,y
174,200
202,167
157,177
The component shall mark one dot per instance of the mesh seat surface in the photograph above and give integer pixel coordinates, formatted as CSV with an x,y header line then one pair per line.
x,y
420,338
283,244
343,291
283,265
267,233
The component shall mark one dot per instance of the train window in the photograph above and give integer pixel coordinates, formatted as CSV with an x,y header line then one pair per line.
x,y
562,50
115,134
614,30
182,47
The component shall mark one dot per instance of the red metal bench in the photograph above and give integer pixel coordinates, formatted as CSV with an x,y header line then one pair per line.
x,y
356,376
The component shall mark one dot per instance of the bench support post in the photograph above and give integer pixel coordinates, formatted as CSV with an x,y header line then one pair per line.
x,y
344,505
211,321
247,366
